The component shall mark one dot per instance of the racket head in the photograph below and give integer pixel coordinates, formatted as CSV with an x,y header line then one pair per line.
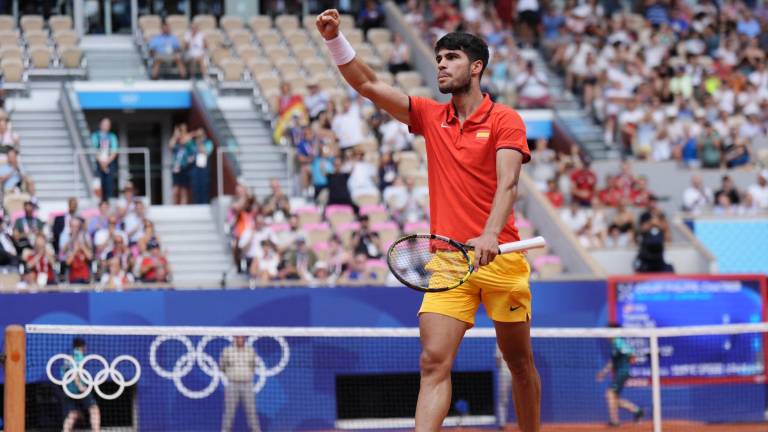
x,y
429,262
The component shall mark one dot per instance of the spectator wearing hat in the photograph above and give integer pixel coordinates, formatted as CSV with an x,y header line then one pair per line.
x,y
154,265
27,227
298,261
104,142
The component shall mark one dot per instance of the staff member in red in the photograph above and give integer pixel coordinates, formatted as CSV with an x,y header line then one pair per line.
x,y
475,150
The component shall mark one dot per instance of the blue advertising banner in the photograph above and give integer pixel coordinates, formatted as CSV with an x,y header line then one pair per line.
x,y
133,96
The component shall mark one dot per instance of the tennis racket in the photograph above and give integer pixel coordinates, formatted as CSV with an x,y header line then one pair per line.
x,y
433,263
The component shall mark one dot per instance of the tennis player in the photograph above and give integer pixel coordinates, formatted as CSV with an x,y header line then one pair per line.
x,y
475,149
622,356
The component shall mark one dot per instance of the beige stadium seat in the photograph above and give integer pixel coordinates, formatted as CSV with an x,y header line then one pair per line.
x,y
308,22
407,161
213,39
259,67
388,232
231,22
177,23
36,37
379,35
296,38
304,53
9,38
315,66
247,53
297,82
364,200
66,38
232,69
240,37
288,66
71,57
286,22
268,37
408,79
339,214
11,52
149,23
31,22
369,145
420,146
13,70
258,23
9,282
60,22
268,82
384,50
217,55
277,53
354,36
326,82
386,77
364,50
40,57
205,22
7,22
149,34
347,23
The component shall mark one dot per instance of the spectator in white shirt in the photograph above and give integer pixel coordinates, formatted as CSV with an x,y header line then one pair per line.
x,y
395,135
362,177
532,88
697,197
759,191
195,55
264,267
250,241
577,220
348,125
316,100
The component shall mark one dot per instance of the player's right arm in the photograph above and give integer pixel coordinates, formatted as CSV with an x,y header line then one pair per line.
x,y
362,78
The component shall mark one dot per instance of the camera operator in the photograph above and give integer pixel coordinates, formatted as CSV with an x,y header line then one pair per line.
x,y
653,233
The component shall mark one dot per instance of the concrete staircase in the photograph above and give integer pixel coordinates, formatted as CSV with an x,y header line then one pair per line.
x,y
113,58
259,158
46,147
195,249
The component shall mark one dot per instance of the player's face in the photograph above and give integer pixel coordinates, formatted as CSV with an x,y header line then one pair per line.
x,y
453,72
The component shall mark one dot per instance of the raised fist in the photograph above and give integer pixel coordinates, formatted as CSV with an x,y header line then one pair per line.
x,y
328,24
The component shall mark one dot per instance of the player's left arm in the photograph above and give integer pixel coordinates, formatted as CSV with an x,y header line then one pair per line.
x,y
508,164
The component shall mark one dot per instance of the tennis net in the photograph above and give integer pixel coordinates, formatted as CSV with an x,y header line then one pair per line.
x,y
186,378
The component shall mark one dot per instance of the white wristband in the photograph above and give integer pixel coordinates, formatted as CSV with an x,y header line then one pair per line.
x,y
341,51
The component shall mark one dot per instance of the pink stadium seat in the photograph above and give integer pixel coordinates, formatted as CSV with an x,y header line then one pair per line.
x,y
338,208
54,214
382,226
279,227
416,227
542,260
375,208
89,213
17,214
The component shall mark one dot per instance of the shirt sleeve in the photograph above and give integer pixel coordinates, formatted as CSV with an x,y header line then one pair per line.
x,y
511,135
416,107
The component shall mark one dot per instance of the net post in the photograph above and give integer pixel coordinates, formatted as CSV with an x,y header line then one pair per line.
x,y
15,365
655,383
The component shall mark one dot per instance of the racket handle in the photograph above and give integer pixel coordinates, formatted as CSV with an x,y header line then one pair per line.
x,y
532,243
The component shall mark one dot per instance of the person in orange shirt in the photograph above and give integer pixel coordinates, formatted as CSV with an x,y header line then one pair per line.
x,y
475,150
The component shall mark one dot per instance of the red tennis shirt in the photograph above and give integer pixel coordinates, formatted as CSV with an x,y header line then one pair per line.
x,y
462,163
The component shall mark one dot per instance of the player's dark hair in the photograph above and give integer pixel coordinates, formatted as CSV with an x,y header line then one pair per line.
x,y
78,342
614,325
471,45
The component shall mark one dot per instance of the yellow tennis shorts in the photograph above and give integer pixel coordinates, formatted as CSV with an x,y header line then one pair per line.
x,y
502,286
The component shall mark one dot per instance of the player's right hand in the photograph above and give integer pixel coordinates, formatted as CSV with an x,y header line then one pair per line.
x,y
328,24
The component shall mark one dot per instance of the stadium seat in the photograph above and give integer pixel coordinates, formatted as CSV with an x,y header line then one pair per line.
x,y
149,23
36,37
66,38
420,146
296,38
259,22
337,214
364,200
13,202
217,55
205,22
347,23
230,23
308,22
232,69
317,232
276,53
59,23
304,53
376,213
354,36
40,57
408,79
388,232
321,251
213,39
384,49
379,35
240,38
420,91
345,231
279,227
177,23
71,57
379,267
416,227
11,52
8,38
288,66
286,22
9,281
407,161
326,82
308,215
7,22
268,37
548,266
258,66
31,22
314,66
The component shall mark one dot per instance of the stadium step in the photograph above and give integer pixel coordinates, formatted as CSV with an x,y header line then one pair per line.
x,y
113,58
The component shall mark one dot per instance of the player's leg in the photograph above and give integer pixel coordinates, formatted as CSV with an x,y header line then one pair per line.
x,y
230,405
514,339
440,338
95,417
69,421
612,400
249,399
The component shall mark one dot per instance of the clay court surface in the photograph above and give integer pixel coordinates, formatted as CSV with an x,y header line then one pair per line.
x,y
667,426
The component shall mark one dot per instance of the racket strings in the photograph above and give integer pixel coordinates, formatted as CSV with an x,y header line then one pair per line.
x,y
428,263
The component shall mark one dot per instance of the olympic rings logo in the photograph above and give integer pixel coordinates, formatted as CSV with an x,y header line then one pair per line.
x,y
91,382
196,355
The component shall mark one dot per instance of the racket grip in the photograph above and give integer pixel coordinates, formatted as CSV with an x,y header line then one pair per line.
x,y
532,243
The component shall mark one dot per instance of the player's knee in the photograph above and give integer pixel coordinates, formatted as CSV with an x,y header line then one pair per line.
x,y
521,367
433,363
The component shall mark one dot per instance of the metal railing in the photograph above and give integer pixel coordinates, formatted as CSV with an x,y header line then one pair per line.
x,y
132,150
76,135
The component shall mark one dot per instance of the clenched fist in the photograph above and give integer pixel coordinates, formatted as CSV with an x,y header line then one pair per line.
x,y
328,24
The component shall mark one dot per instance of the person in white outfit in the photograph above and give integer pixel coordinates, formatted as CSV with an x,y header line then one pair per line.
x,y
238,363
